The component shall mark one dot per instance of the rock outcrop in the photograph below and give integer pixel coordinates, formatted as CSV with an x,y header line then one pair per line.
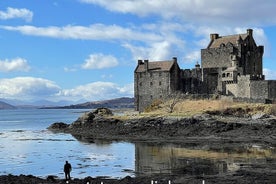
x,y
89,117
100,124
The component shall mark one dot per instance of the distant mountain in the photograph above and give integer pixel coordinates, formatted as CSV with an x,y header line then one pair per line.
x,y
4,105
34,104
123,102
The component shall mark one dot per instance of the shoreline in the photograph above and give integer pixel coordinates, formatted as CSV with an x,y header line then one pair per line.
x,y
226,129
241,177
215,132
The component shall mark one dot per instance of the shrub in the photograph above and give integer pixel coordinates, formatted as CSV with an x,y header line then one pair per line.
x,y
156,104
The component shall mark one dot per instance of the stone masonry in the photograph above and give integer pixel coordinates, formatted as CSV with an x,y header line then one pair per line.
x,y
230,65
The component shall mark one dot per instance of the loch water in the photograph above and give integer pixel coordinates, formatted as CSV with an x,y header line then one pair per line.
x,y
27,147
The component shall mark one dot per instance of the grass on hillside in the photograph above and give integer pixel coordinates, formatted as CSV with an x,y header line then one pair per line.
x,y
188,108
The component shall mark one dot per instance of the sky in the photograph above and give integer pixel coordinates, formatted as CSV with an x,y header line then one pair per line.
x,y
87,50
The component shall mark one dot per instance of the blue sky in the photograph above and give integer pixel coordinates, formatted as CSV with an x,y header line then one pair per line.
x,y
87,50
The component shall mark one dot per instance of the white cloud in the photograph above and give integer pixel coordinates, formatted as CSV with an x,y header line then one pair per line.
x,y
107,76
234,12
269,74
17,64
155,51
93,32
192,57
27,88
97,91
100,61
12,13
71,69
33,89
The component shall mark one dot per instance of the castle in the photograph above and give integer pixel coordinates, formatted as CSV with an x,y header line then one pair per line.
x,y
230,65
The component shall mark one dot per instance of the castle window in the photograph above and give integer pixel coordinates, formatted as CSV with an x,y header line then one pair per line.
x,y
223,75
150,96
151,83
160,83
160,96
160,74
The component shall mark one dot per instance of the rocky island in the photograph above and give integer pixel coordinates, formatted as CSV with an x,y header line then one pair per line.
x,y
231,128
211,126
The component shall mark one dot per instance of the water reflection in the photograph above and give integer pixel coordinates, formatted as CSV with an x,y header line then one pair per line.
x,y
175,159
146,158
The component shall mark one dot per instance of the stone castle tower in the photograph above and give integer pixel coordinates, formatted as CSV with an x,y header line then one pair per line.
x,y
228,57
231,65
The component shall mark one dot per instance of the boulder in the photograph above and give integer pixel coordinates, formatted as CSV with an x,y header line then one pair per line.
x,y
103,112
58,126
89,117
259,116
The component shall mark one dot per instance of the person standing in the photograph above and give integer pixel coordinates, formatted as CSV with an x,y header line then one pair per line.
x,y
67,169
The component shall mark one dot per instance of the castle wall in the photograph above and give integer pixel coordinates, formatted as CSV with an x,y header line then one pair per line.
x,y
259,90
252,58
217,57
152,85
265,89
243,86
175,80
231,89
191,80
272,90
210,80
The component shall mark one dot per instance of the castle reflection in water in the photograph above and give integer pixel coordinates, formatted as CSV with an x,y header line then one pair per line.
x,y
174,159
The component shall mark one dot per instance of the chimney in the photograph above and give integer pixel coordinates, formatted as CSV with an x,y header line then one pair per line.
x,y
146,62
214,36
250,32
174,59
140,61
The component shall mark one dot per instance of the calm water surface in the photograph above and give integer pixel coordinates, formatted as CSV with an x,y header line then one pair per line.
x,y
26,147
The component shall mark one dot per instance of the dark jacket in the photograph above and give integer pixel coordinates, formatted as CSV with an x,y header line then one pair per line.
x,y
67,168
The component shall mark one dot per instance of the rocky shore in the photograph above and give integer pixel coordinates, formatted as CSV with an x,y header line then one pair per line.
x,y
100,124
241,177
210,129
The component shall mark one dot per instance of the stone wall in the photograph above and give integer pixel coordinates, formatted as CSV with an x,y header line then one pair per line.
x,y
217,57
265,89
243,86
191,80
231,89
149,86
272,90
210,80
259,90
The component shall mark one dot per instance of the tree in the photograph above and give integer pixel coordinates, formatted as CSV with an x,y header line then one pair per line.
x,y
171,100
